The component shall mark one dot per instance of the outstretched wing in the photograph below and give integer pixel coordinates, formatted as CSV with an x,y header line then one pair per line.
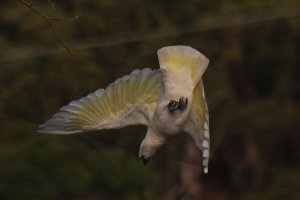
x,y
129,100
198,123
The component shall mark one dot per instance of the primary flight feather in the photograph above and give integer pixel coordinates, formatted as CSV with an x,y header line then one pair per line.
x,y
168,100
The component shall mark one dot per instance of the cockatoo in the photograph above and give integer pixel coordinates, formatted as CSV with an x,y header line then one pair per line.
x,y
168,100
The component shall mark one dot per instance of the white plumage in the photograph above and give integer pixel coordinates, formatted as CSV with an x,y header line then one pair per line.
x,y
168,100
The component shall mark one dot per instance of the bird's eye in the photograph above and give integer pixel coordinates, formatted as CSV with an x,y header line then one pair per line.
x,y
173,105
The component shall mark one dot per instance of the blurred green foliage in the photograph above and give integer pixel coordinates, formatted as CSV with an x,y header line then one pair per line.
x,y
252,87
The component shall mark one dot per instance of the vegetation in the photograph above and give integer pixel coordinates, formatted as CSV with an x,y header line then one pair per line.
x,y
252,88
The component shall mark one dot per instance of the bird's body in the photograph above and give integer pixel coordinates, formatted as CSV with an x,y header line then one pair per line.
x,y
168,100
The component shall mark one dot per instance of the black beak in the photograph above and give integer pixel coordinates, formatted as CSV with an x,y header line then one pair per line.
x,y
145,160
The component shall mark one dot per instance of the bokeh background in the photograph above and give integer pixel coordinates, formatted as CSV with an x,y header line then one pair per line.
x,y
252,88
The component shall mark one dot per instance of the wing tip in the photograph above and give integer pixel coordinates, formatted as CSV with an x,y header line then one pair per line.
x,y
205,169
53,130
57,124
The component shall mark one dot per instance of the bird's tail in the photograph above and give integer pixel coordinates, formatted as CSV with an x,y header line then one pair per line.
x,y
174,58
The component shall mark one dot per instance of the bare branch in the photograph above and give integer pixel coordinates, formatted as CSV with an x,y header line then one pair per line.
x,y
51,3
49,19
36,3
62,19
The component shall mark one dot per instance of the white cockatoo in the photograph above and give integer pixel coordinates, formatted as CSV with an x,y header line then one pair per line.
x,y
169,100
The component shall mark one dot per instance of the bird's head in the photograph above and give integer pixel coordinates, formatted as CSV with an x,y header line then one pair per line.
x,y
150,145
147,150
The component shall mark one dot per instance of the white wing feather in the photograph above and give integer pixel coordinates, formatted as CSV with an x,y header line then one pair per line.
x,y
198,123
129,100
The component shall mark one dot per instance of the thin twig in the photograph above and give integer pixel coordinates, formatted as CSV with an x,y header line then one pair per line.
x,y
51,3
48,21
36,3
62,19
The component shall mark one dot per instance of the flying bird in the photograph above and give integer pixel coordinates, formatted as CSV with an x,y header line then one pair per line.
x,y
168,100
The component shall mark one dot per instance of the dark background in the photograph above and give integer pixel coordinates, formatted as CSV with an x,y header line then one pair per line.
x,y
252,88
